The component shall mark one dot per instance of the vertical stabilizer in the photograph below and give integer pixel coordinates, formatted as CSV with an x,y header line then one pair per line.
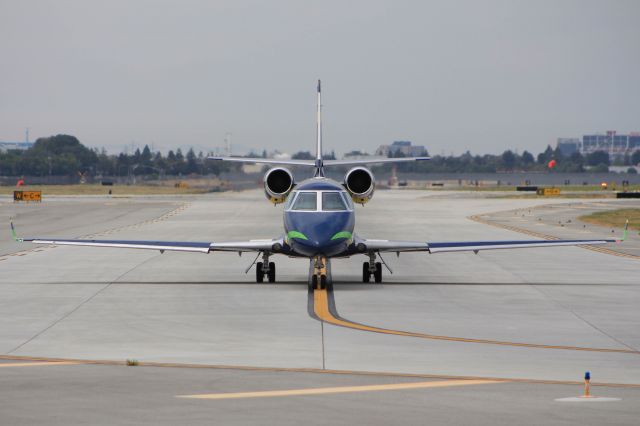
x,y
319,169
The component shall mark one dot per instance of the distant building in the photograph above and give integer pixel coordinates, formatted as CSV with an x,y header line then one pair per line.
x,y
403,147
568,146
6,146
615,145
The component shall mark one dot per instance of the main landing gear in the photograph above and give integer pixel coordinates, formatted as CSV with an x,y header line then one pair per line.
x,y
372,268
265,268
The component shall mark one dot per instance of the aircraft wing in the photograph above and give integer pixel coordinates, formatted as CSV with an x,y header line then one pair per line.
x,y
185,246
475,246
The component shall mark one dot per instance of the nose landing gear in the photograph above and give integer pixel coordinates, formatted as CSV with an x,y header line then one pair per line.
x,y
319,272
372,268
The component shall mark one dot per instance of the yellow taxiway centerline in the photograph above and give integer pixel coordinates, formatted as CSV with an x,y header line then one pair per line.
x,y
35,364
339,389
322,311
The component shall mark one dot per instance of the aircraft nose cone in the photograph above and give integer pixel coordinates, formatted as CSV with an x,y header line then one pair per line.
x,y
315,243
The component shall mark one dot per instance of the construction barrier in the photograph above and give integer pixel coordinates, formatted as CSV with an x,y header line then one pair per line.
x,y
27,196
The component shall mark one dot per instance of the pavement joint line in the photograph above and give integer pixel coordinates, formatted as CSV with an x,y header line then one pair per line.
x,y
581,318
339,389
310,370
84,302
325,310
36,364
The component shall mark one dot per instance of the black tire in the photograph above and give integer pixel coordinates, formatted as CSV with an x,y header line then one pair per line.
x,y
259,273
314,281
378,274
272,272
365,272
323,282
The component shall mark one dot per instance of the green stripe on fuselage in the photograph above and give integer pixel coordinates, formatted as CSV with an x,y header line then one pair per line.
x,y
296,234
342,234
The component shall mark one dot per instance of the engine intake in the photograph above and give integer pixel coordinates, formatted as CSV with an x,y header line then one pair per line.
x,y
278,183
360,184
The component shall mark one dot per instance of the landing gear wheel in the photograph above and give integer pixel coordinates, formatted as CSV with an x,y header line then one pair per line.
x,y
377,275
365,272
259,273
314,281
272,272
323,282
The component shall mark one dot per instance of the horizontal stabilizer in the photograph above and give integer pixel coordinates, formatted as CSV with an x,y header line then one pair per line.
x,y
309,163
325,163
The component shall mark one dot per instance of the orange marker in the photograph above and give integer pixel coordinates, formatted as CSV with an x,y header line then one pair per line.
x,y
587,385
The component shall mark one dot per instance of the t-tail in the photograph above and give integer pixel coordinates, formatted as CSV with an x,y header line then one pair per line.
x,y
319,164
319,167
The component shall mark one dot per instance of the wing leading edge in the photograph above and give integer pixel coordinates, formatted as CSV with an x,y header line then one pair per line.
x,y
184,246
475,246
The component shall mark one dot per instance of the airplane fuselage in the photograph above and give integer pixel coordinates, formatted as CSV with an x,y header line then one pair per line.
x,y
319,218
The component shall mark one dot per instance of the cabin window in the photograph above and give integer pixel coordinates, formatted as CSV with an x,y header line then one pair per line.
x,y
332,201
306,201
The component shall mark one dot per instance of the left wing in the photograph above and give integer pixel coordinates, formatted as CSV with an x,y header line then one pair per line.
x,y
475,246
186,246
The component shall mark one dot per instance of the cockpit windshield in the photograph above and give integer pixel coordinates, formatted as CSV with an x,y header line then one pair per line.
x,y
306,201
332,201
347,198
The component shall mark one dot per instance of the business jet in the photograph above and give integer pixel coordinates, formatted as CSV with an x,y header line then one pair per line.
x,y
319,222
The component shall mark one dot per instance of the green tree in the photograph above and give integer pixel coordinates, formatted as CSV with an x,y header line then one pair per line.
x,y
58,155
527,158
145,157
302,155
597,158
508,160
546,156
192,165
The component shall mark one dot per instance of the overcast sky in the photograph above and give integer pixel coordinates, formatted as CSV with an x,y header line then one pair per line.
x,y
483,76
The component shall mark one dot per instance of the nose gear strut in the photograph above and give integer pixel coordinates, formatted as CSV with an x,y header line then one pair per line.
x,y
319,272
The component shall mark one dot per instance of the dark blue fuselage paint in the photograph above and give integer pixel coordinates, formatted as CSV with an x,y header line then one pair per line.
x,y
319,228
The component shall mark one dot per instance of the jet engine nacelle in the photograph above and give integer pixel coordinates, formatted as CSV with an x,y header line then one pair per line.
x,y
278,183
360,184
